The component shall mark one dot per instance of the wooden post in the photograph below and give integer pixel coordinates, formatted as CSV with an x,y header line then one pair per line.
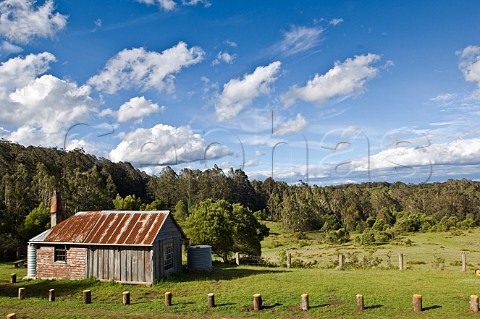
x,y
126,297
168,299
13,278
341,261
12,316
237,259
51,295
417,303
304,304
87,296
289,260
211,300
257,302
474,303
360,303
400,261
21,293
464,262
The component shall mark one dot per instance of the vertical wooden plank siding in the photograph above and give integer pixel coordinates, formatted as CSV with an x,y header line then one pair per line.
x,y
141,265
160,259
177,248
111,263
124,262
117,260
95,263
105,263
155,262
148,266
127,264
100,263
134,264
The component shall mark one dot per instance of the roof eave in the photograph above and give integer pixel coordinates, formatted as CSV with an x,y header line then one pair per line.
x,y
87,244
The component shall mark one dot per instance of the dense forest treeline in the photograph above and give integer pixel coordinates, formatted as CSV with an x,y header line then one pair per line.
x,y
378,211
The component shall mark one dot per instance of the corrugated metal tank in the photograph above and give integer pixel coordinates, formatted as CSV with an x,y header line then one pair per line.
x,y
200,258
31,261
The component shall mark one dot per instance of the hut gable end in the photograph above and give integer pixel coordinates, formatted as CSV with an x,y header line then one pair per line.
x,y
169,230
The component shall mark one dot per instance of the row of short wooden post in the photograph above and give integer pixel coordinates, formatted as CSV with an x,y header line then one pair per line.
x,y
257,301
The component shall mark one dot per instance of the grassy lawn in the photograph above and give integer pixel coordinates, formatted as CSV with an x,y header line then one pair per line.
x,y
388,292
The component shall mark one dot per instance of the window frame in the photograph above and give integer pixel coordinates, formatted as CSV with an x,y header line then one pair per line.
x,y
168,256
60,254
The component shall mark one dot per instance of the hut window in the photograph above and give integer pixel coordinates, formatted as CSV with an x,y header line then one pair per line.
x,y
168,254
60,253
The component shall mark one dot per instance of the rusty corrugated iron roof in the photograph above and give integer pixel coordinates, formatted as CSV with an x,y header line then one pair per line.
x,y
109,228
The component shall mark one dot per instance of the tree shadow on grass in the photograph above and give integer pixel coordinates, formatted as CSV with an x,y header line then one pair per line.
x,y
74,288
40,288
222,272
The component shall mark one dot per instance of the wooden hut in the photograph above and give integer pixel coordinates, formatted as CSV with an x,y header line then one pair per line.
x,y
124,246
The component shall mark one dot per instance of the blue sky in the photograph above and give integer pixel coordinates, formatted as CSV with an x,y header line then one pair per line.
x,y
325,92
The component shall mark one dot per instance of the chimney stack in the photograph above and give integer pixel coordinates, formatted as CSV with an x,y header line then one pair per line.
x,y
56,209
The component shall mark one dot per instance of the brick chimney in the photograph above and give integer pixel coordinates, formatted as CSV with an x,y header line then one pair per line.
x,y
56,209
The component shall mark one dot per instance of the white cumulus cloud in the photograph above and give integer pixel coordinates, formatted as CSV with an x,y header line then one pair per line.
x,y
344,80
138,68
50,103
19,71
224,57
461,151
165,145
470,63
9,48
239,93
166,5
292,126
42,107
135,108
23,20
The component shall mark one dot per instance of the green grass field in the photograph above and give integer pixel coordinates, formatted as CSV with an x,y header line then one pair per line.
x,y
388,292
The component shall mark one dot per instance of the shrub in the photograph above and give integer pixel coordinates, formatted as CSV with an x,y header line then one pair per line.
x,y
339,236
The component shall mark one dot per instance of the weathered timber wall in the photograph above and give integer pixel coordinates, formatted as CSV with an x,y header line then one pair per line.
x,y
169,233
125,264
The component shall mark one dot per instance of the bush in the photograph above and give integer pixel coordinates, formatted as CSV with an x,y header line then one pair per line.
x,y
300,235
412,222
438,262
382,236
339,236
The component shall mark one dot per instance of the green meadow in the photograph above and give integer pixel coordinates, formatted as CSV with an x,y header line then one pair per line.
x,y
432,268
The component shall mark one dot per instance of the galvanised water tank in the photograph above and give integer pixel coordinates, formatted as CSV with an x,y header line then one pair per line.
x,y
31,261
200,258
